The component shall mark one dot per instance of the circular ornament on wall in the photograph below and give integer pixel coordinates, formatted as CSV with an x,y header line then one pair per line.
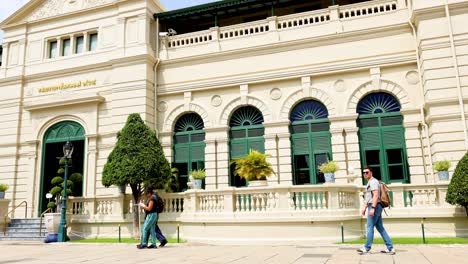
x,y
275,93
412,77
162,107
216,100
339,86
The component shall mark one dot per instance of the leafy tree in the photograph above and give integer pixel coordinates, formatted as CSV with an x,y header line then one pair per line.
x,y
457,193
138,160
57,183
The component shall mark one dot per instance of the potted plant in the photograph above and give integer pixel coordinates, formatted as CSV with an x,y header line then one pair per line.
x,y
254,168
329,169
3,188
197,178
442,167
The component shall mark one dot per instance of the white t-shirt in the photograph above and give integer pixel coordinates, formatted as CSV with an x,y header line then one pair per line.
x,y
372,185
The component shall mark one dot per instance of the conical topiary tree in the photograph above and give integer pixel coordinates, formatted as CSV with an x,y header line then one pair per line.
x,y
138,160
457,193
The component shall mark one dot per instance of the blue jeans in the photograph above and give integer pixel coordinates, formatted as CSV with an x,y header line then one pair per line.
x,y
149,225
376,221
159,234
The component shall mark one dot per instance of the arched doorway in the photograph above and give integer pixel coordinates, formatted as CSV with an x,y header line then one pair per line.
x,y
382,137
310,141
246,133
189,146
52,148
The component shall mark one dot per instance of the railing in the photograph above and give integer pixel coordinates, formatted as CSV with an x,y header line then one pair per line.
x,y
40,220
12,210
303,19
367,8
244,29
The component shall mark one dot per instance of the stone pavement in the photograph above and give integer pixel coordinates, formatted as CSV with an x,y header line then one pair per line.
x,y
194,253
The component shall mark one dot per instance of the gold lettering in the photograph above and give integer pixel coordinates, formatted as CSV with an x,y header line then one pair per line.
x,y
64,86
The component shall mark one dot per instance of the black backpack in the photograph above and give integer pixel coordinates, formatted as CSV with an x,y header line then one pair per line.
x,y
159,204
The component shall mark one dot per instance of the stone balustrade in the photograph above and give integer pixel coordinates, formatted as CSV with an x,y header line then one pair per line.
x,y
367,8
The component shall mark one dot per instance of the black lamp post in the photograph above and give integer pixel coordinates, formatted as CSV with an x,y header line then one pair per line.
x,y
62,232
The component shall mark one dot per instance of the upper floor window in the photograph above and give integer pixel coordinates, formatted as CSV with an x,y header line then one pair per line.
x,y
79,48
93,41
66,44
52,49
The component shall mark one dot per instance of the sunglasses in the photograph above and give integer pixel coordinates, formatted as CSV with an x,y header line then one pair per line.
x,y
366,172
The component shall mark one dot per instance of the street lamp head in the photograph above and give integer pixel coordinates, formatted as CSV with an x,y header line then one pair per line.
x,y
68,150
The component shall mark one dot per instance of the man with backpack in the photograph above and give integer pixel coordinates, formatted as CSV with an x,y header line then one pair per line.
x,y
374,215
159,209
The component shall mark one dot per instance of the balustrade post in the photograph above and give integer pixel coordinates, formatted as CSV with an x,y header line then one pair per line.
x,y
333,201
229,200
441,194
283,199
119,206
193,205
401,4
334,12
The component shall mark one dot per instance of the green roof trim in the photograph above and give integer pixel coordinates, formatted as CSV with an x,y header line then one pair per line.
x,y
206,8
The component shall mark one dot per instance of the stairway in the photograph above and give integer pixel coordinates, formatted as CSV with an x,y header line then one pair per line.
x,y
24,229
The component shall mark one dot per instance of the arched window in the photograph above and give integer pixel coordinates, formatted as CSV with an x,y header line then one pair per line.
x,y
310,141
246,133
189,146
382,137
52,147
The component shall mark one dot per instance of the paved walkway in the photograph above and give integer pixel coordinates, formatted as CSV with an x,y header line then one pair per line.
x,y
21,252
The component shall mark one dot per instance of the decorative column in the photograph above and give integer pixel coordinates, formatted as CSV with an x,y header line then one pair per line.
x,y
90,171
217,158
278,145
345,148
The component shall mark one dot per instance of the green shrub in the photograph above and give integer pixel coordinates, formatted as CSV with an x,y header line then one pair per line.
x,y
76,177
329,167
51,205
197,174
3,187
61,171
57,180
442,165
56,190
254,166
457,193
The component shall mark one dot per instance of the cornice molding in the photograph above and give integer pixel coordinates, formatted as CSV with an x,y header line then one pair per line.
x,y
62,101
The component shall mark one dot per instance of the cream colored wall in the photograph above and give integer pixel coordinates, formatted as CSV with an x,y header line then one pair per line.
x,y
122,67
444,73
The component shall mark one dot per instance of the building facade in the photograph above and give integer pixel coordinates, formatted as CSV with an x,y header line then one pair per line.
x,y
364,83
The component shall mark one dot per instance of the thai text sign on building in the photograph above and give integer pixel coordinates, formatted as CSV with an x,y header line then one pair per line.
x,y
64,86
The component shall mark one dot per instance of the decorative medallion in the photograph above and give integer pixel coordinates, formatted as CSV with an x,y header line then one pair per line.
x,y
162,107
275,93
412,77
216,100
339,86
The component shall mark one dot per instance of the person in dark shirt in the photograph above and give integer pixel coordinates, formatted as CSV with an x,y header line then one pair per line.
x,y
159,234
150,221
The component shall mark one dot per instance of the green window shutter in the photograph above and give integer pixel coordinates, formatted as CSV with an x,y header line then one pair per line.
x,y
300,144
181,153
197,151
257,144
320,142
393,137
238,148
370,139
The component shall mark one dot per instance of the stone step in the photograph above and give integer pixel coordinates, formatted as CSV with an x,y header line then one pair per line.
x,y
24,230
21,235
27,220
27,225
31,238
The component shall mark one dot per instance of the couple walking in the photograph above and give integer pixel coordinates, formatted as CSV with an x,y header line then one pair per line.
x,y
152,209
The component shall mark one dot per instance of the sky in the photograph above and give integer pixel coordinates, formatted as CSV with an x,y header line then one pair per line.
x,y
8,7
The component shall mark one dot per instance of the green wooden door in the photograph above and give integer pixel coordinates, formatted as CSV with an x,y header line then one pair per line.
x,y
310,141
382,138
246,133
189,147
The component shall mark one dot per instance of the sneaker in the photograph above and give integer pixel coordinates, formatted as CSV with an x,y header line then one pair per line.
x,y
140,246
163,243
388,251
363,250
152,246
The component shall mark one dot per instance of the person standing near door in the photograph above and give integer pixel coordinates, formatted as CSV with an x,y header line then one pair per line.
x,y
374,214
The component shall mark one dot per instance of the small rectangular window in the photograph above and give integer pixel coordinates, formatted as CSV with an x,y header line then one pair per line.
x,y
52,49
93,42
79,48
66,47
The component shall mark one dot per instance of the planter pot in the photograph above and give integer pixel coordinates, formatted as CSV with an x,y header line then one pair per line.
x,y
52,223
260,183
197,184
2,195
329,177
443,175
